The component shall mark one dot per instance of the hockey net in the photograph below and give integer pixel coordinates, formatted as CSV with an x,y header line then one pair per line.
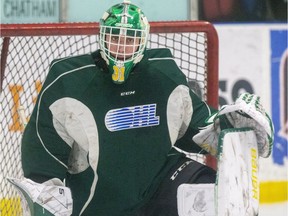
x,y
28,49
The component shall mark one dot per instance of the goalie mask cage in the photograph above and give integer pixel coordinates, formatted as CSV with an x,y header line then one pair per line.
x,y
28,49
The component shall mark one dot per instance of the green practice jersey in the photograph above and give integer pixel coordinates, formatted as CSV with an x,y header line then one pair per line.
x,y
112,143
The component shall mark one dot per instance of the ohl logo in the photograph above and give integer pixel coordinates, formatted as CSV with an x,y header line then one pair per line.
x,y
132,117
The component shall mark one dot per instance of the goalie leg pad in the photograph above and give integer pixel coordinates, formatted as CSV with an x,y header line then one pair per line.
x,y
237,184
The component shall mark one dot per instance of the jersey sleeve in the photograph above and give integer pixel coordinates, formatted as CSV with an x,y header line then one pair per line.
x,y
201,111
44,153
165,64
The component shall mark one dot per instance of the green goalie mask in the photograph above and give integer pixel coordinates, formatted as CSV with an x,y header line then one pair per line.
x,y
124,32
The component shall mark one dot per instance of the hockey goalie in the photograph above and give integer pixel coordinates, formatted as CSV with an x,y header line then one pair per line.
x,y
109,128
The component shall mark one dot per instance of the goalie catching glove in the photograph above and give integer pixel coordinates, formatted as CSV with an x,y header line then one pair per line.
x,y
247,111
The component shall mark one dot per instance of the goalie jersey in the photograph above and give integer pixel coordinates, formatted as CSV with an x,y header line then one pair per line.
x,y
113,144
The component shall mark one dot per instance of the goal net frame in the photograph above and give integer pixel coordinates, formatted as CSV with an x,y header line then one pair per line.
x,y
9,202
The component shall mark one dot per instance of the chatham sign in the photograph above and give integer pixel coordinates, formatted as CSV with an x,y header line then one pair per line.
x,y
30,11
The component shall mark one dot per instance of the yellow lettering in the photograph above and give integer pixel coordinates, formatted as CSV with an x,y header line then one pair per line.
x,y
15,91
254,174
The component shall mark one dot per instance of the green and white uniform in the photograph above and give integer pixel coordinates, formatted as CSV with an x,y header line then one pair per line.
x,y
111,142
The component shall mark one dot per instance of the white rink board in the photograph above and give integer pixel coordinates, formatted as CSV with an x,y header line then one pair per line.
x,y
246,57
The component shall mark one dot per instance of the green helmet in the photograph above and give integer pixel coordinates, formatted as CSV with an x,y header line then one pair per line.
x,y
124,32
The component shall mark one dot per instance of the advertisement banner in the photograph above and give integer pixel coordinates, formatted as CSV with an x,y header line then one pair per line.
x,y
32,11
279,88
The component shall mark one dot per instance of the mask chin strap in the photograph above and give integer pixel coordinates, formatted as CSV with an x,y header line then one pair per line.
x,y
104,57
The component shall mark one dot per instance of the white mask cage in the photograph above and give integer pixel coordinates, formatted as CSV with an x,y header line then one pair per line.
x,y
122,44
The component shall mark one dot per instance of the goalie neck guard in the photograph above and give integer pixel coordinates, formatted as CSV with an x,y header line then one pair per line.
x,y
124,32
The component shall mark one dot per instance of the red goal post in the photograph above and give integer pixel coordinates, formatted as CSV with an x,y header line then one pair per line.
x,y
28,49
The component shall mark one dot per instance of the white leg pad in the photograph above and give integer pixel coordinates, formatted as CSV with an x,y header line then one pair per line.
x,y
237,184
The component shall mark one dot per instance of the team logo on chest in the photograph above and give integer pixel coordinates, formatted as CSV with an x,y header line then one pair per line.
x,y
132,117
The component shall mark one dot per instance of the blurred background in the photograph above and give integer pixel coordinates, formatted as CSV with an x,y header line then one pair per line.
x,y
253,57
31,11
